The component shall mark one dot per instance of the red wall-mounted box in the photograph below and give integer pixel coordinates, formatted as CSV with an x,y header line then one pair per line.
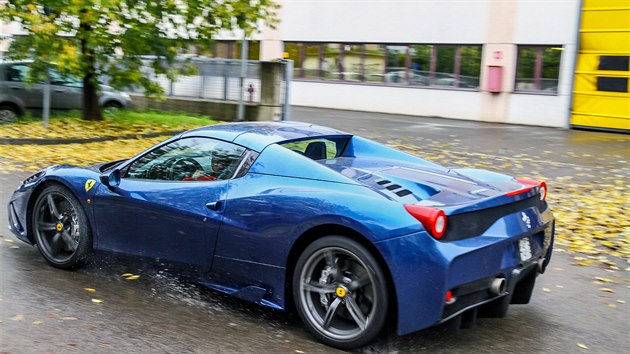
x,y
495,77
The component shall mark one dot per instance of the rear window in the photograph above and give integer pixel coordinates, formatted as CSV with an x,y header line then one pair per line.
x,y
320,148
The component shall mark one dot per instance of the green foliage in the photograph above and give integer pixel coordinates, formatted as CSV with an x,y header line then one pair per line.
x,y
92,38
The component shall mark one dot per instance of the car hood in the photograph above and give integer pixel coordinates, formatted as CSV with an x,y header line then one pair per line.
x,y
453,189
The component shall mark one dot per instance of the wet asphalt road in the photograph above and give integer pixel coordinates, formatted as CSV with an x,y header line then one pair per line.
x,y
47,310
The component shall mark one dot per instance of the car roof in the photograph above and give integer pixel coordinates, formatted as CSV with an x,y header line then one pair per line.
x,y
258,135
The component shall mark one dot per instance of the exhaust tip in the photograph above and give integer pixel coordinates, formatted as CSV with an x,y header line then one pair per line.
x,y
497,287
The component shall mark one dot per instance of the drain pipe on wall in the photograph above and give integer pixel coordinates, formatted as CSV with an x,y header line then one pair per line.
x,y
575,58
241,96
288,78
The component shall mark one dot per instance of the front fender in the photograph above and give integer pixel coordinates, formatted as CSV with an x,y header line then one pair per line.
x,y
4,98
73,178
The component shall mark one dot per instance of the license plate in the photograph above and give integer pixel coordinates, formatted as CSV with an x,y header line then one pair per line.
x,y
524,249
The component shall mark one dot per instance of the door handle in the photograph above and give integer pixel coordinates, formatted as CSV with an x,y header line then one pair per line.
x,y
15,88
214,205
59,91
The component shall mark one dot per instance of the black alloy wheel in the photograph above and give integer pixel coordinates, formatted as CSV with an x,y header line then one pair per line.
x,y
340,292
61,228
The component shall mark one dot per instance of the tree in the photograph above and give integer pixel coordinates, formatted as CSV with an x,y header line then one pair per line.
x,y
92,38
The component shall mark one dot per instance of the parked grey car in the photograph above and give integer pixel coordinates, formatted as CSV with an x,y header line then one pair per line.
x,y
66,92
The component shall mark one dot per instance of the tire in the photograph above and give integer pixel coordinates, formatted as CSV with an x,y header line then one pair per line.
x,y
112,106
8,113
61,228
340,292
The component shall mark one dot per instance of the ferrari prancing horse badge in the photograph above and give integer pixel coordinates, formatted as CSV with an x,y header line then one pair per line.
x,y
89,184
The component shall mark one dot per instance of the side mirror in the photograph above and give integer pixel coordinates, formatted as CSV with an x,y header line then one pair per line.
x,y
112,179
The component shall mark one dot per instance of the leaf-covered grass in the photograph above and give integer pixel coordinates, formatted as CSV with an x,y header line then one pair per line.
x,y
69,125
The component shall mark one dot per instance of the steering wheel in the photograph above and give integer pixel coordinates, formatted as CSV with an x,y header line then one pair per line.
x,y
184,167
157,171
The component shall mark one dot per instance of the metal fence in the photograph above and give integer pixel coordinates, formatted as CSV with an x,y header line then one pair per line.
x,y
215,79
220,80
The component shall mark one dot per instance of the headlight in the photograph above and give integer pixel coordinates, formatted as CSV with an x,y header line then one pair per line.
x,y
125,95
32,179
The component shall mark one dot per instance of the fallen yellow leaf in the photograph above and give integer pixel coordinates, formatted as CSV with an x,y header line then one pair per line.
x,y
582,346
607,290
605,280
132,277
97,301
90,290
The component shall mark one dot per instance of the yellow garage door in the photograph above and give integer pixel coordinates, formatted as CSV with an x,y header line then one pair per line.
x,y
601,96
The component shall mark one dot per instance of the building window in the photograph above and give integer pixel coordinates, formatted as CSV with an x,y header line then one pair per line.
x,y
614,62
470,67
352,64
373,63
395,64
331,61
612,84
311,67
389,64
420,70
538,69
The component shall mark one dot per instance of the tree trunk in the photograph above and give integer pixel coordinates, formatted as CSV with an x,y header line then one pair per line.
x,y
91,109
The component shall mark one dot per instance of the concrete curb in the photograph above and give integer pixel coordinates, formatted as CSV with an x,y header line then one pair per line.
x,y
48,141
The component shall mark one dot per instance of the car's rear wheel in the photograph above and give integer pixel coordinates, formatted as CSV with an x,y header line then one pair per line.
x,y
340,292
112,106
8,113
61,228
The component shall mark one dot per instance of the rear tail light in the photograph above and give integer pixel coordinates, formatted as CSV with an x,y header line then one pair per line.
x,y
449,299
531,182
433,219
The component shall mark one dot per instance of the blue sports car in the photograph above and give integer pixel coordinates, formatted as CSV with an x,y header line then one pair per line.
x,y
354,235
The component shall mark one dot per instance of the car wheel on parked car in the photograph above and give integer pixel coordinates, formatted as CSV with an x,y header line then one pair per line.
x,y
340,292
8,113
61,228
112,106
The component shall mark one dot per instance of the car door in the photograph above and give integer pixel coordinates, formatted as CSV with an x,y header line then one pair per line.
x,y
159,210
16,86
66,91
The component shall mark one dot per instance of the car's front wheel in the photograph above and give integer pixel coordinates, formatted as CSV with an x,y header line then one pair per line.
x,y
61,228
8,113
340,292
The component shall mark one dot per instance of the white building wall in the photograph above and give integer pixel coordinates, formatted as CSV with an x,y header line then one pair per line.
x,y
548,22
395,21
397,100
496,24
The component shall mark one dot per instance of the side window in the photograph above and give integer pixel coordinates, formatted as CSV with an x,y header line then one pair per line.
x,y
319,149
57,78
17,73
190,159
